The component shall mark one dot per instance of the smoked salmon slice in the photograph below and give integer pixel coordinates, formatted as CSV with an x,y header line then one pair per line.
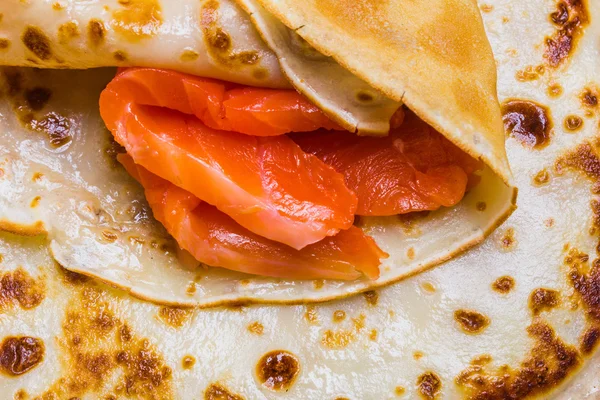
x,y
267,184
415,168
215,239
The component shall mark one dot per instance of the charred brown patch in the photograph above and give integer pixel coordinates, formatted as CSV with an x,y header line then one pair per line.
x,y
137,19
37,42
219,392
481,206
570,19
4,43
218,41
68,31
541,178
14,81
471,321
429,385
504,284
256,328
589,97
96,32
37,97
549,362
528,122
174,316
120,56
72,278
585,279
277,370
19,354
573,123
56,126
589,340
18,287
372,297
543,299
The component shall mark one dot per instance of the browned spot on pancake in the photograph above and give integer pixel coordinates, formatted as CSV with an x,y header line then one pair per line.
x,y
543,299
339,316
471,321
37,97
342,338
18,287
174,316
570,19
508,239
573,123
549,223
218,41
541,178
548,363
482,359
504,284
481,206
589,340
409,222
99,349
68,31
37,42
372,297
373,334
486,8
189,55
277,370
399,391
96,32
14,81
429,385
72,278
410,253
256,328
4,43
530,73
21,395
218,392
260,74
19,354
417,355
120,56
57,6
585,279
35,202
529,123
318,283
137,19
555,90
108,236
428,287
56,126
35,229
188,362
311,315
589,97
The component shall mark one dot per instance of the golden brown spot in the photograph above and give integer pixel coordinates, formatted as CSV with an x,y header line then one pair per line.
x,y
4,43
429,385
543,299
371,297
37,42
417,355
573,123
549,223
35,229
120,56
36,177
530,73
190,288
19,354
589,340
189,55
256,328
555,90
585,279
486,8
471,321
339,316
508,239
549,362
504,284
18,287
260,74
589,98
342,338
364,97
481,359
410,253
373,334
428,287
541,178
277,370
55,126
188,362
35,201
311,315
318,283
21,395
219,392
529,123
570,19
96,32
57,6
109,236
37,97
68,31
399,391
174,316
481,206
137,19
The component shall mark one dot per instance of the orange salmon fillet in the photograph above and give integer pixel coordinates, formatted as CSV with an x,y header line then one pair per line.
x,y
267,184
217,240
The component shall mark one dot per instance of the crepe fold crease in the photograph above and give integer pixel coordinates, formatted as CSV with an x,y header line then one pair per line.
x,y
358,61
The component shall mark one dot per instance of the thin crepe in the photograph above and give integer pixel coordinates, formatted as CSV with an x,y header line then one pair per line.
x,y
105,229
393,343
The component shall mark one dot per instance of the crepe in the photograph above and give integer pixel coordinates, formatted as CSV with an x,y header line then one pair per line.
x,y
519,310
105,229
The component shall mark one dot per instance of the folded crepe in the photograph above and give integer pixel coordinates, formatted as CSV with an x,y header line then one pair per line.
x,y
209,126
